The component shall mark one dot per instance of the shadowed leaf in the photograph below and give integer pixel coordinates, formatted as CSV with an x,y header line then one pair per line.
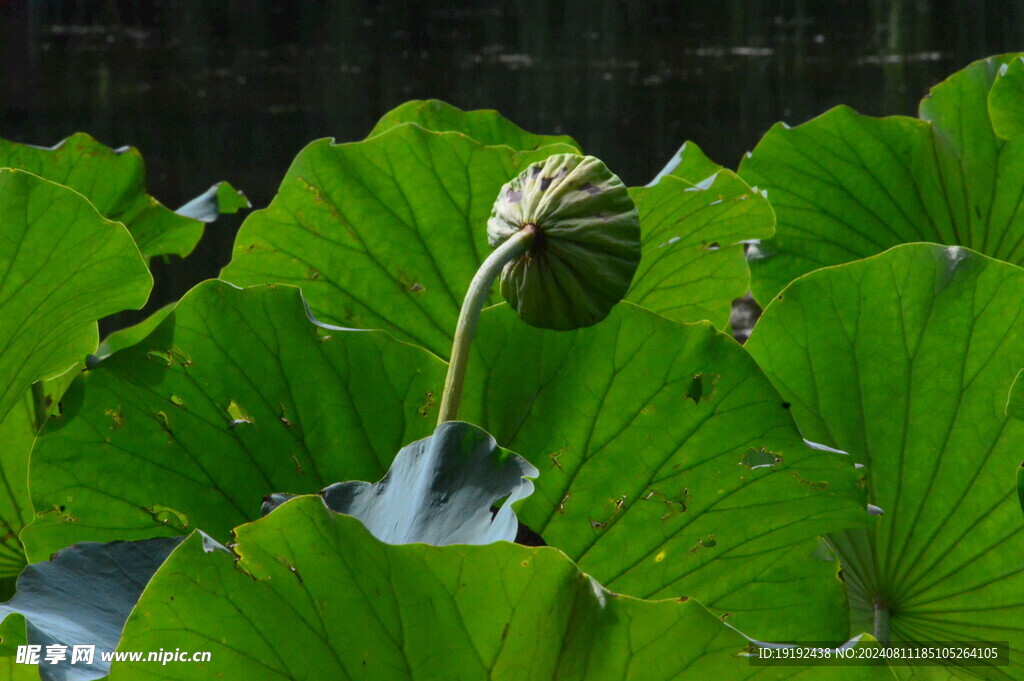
x,y
235,395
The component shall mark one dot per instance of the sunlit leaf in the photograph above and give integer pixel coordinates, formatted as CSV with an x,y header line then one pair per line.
x,y
128,336
845,186
485,126
1006,100
693,264
114,180
905,360
689,163
17,435
650,438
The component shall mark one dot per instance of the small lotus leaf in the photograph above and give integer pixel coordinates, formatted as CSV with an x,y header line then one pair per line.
x,y
439,491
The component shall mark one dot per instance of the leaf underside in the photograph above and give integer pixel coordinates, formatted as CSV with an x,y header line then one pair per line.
x,y
439,490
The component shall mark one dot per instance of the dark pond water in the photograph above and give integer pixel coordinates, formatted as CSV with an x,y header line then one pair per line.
x,y
233,89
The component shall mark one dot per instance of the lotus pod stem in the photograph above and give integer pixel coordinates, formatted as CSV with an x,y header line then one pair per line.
x,y
469,315
880,629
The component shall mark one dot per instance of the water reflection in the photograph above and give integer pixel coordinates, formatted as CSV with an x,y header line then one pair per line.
x,y
233,90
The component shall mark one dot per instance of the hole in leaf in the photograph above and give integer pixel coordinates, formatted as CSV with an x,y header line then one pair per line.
x,y
527,537
117,416
160,356
165,515
428,404
238,414
701,387
284,419
704,543
183,357
760,458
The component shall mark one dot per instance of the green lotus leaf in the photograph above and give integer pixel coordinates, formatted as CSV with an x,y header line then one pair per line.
x,y
689,163
385,233
236,394
12,631
586,246
18,434
130,335
905,360
1006,100
11,671
82,596
342,210
63,267
485,126
694,265
669,466
846,186
314,596
114,181
439,491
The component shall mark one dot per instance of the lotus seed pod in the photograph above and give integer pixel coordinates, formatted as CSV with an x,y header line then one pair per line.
x,y
587,243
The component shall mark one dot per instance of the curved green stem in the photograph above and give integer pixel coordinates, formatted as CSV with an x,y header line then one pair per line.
x,y
880,630
476,296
